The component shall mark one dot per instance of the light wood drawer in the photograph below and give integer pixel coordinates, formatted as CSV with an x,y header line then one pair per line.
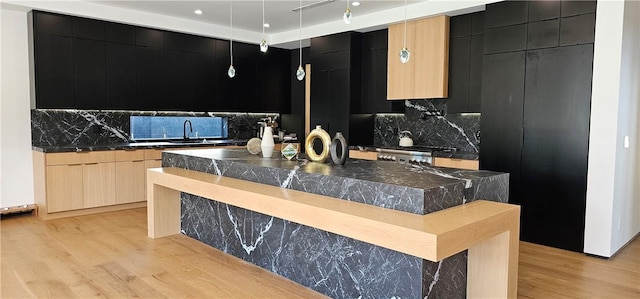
x,y
153,154
129,155
80,157
355,154
456,163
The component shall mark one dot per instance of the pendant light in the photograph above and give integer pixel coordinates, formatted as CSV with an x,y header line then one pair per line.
x,y
347,14
300,72
264,46
404,53
232,71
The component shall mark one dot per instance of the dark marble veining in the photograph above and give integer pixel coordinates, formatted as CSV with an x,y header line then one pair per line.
x,y
81,128
427,129
334,265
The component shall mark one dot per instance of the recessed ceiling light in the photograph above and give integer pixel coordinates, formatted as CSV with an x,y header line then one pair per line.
x,y
355,3
266,25
198,12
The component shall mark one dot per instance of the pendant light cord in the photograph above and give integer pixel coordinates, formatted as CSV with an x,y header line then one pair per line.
x,y
300,33
405,24
262,18
231,21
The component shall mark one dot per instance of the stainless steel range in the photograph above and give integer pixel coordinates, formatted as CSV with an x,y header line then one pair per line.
x,y
418,155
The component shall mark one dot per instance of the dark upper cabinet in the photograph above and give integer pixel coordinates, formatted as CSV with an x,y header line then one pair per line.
x,y
89,74
331,43
543,10
506,13
572,8
179,95
373,82
150,84
120,33
466,50
91,64
53,23
120,66
147,37
88,29
54,71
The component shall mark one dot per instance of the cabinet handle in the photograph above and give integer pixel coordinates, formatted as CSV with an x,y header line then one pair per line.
x,y
74,164
91,164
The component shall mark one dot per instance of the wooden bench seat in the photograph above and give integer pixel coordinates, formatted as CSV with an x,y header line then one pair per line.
x,y
489,230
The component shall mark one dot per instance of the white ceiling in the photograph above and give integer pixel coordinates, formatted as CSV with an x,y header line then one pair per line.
x,y
284,32
247,14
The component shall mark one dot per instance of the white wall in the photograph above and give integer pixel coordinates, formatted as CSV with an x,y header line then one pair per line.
x,y
613,197
16,170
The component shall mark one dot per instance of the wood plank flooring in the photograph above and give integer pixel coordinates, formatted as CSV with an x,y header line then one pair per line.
x,y
109,256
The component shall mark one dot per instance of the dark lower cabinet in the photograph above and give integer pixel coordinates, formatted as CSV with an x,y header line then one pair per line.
x,y
556,145
120,65
54,71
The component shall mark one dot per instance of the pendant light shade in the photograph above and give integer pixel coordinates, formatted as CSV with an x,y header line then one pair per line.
x,y
232,71
300,72
347,14
264,46
404,52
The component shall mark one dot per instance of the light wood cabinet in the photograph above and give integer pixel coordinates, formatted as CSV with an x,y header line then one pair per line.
x,y
426,74
130,176
456,163
363,155
99,183
64,190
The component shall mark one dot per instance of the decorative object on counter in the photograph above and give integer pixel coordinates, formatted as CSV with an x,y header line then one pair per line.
x,y
404,53
318,133
405,139
290,151
254,146
232,71
267,143
300,72
339,140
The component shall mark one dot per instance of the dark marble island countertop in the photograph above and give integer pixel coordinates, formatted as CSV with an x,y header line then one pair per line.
x,y
405,187
335,265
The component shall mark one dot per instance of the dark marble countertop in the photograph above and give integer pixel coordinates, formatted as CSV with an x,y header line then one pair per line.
x,y
407,187
142,145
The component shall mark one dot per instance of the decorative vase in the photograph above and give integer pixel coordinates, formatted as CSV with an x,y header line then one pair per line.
x,y
318,133
267,143
339,144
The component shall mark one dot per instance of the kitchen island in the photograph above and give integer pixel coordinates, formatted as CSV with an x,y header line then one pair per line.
x,y
333,264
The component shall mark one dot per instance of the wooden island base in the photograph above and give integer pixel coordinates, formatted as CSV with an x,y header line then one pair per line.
x,y
489,230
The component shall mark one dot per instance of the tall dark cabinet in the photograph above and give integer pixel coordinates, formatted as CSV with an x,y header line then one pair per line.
x,y
536,92
335,87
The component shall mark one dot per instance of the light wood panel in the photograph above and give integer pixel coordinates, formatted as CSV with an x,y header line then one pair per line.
x,y
476,226
432,58
400,76
39,181
130,181
129,155
456,163
425,75
355,154
65,188
99,184
80,157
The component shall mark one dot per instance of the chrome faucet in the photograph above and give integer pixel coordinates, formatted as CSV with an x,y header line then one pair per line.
x,y
184,129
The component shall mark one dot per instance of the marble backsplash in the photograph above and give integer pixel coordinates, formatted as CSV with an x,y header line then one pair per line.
x,y
53,127
428,128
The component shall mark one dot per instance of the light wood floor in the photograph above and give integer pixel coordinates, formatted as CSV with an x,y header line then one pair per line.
x,y
109,255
